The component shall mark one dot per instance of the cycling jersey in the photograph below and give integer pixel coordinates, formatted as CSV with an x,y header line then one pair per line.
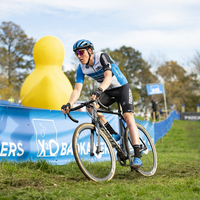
x,y
102,62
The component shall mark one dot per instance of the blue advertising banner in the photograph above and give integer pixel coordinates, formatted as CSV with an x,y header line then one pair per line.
x,y
32,134
162,127
28,133
153,89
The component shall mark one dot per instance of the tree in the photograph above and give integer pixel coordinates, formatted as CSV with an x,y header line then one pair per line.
x,y
179,87
196,62
171,71
144,77
71,76
16,59
7,91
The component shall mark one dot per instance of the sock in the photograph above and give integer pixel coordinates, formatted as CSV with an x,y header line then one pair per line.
x,y
110,129
136,150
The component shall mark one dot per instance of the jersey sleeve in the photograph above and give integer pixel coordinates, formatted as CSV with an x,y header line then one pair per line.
x,y
106,61
79,75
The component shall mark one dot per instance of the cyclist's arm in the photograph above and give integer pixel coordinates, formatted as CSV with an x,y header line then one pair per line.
x,y
78,86
76,93
74,96
107,80
104,85
106,62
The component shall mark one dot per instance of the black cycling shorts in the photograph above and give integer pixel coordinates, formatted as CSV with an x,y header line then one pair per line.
x,y
123,95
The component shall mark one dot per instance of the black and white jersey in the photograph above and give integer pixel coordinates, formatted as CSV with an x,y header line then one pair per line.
x,y
102,62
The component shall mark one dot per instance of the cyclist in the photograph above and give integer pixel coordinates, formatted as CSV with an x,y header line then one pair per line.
x,y
102,68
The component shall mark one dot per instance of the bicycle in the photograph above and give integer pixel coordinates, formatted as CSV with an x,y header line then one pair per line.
x,y
93,146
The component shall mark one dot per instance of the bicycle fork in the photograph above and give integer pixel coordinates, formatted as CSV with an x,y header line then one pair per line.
x,y
92,142
97,129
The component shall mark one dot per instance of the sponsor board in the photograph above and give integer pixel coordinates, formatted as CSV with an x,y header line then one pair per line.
x,y
190,116
32,134
153,89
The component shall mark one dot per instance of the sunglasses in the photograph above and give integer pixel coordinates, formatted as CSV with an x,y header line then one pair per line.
x,y
80,53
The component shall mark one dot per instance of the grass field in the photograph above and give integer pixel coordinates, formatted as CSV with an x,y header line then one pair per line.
x,y
177,176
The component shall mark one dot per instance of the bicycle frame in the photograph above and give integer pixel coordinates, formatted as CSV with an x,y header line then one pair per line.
x,y
121,150
97,123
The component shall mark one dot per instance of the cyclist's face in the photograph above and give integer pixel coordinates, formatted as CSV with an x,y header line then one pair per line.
x,y
82,55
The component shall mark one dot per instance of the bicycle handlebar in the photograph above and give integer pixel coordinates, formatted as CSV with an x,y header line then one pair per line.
x,y
78,107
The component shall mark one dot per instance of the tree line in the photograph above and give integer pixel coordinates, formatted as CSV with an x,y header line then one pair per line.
x,y
181,87
16,59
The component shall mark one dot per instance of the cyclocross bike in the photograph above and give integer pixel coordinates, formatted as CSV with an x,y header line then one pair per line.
x,y
93,146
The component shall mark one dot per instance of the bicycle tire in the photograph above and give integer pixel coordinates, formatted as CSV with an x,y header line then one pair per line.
x,y
99,167
148,155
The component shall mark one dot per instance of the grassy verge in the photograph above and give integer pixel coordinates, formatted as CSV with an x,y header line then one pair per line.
x,y
177,176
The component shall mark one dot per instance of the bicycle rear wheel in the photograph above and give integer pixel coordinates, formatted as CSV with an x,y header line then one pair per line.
x,y
98,166
147,151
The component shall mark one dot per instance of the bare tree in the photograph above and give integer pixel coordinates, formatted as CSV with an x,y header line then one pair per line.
x,y
196,62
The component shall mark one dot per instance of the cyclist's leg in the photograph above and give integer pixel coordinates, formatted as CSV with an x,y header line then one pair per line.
x,y
126,101
106,100
130,121
147,151
134,135
100,115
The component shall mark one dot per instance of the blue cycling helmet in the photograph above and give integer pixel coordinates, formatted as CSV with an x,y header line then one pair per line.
x,y
83,44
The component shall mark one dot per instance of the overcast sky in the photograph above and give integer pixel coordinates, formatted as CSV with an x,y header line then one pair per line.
x,y
165,29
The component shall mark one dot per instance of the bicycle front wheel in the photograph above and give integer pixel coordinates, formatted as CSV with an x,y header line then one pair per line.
x,y
96,166
147,151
